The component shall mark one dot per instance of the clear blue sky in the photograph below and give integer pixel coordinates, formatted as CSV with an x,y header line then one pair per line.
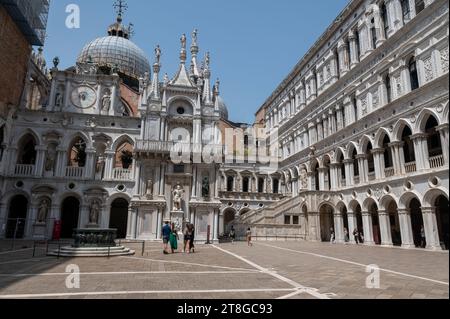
x,y
253,43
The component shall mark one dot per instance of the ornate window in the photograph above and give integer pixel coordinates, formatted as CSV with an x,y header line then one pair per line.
x,y
405,10
413,74
384,17
420,5
77,153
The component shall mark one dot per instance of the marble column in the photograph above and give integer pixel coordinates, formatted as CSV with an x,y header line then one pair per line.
x,y
406,228
444,135
352,225
339,228
385,228
431,228
354,58
368,228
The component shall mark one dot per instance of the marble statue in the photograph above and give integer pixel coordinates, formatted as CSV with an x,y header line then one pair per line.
x,y
106,101
149,188
177,198
94,213
43,211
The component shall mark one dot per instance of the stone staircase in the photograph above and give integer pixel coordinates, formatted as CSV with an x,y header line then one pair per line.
x,y
69,251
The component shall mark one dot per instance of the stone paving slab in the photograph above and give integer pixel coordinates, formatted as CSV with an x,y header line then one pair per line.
x,y
218,274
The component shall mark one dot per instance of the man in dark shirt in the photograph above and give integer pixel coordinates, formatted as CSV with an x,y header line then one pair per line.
x,y
166,230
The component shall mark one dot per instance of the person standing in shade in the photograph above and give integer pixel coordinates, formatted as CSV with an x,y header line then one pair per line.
x,y
356,235
249,237
232,234
174,240
333,236
346,235
191,244
166,231
187,238
423,241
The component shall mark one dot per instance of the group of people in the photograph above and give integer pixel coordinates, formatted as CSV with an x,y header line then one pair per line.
x,y
248,236
171,238
357,235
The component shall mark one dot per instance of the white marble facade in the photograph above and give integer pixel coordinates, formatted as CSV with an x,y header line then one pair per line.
x,y
363,128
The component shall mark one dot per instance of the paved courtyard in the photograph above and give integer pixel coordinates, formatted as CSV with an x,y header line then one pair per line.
x,y
268,270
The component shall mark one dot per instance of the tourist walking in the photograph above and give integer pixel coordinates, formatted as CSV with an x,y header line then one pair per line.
x,y
166,231
191,244
333,236
174,240
232,234
249,237
187,238
346,235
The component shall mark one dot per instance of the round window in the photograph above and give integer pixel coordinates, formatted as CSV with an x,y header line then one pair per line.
x,y
180,110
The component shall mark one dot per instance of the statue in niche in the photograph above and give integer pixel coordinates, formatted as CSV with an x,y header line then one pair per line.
x,y
94,213
177,198
150,189
183,41
304,179
43,211
59,100
50,159
106,101
205,187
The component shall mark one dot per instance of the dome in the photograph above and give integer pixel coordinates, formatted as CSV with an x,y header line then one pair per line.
x,y
223,109
117,51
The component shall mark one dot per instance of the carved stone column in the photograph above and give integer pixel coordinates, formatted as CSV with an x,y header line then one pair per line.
x,y
406,228
385,228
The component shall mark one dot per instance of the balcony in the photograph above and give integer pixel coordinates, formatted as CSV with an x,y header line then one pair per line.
x,y
143,146
24,170
437,161
122,174
75,172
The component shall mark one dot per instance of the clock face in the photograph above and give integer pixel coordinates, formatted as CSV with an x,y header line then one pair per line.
x,y
84,97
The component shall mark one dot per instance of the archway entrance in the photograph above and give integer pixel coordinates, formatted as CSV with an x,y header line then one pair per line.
x,y
326,222
18,208
229,217
442,212
70,211
118,218
417,222
375,224
394,220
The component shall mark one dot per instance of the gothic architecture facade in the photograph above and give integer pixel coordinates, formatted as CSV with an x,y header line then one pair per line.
x,y
362,122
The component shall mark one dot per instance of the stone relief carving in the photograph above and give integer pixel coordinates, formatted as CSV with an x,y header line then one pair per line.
x,y
444,60
43,210
94,212
428,66
177,198
106,101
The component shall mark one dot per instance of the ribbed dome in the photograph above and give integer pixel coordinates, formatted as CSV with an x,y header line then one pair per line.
x,y
223,109
117,51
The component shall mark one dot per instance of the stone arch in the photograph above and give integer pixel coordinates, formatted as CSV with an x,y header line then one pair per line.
x,y
229,215
28,131
340,151
445,113
431,195
363,144
172,103
379,137
120,140
398,129
350,148
368,202
327,226
68,140
406,198
386,199
423,118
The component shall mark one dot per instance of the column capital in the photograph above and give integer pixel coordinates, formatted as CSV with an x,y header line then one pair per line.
x,y
396,143
418,136
377,151
360,156
442,127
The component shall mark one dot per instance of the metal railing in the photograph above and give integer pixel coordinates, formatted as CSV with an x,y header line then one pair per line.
x,y
24,170
437,161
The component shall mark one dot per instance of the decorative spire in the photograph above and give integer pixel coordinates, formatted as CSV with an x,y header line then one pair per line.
x,y
194,51
121,6
207,76
117,28
183,49
156,69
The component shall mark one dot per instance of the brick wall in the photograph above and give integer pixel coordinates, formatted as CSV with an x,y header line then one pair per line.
x,y
14,55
